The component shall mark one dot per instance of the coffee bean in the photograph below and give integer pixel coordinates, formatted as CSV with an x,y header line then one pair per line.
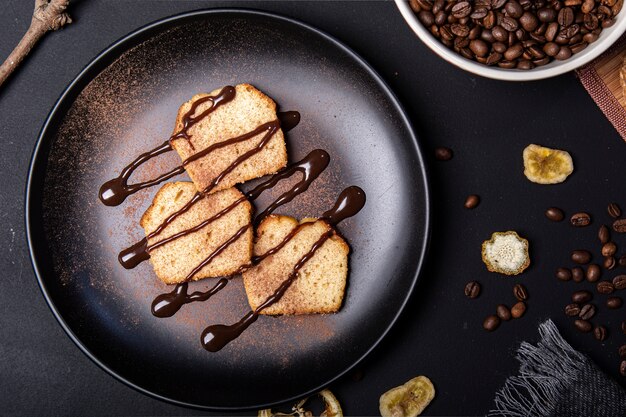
x,y
580,219
472,289
593,273
520,293
614,303
581,297
514,52
600,333
472,201
581,257
622,351
590,37
547,15
588,6
563,274
572,310
551,31
619,226
566,16
603,234
461,10
503,312
587,311
622,368
518,309
509,24
619,282
609,262
609,249
577,274
578,47
605,287
583,326
443,153
622,260
496,4
555,214
491,323
564,53
479,47
513,9
479,13
614,210
623,327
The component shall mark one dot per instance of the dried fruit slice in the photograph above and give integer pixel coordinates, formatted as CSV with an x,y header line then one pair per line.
x,y
506,253
332,408
547,166
408,400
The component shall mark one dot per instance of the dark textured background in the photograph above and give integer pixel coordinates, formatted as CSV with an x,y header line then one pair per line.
x,y
487,123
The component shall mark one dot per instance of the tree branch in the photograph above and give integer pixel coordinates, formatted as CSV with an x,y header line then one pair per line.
x,y
48,15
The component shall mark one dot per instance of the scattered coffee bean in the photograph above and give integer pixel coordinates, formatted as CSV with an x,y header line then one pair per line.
x,y
555,214
614,303
503,312
518,309
622,351
600,333
572,310
577,274
472,201
622,368
605,287
609,263
593,272
619,282
604,234
583,326
519,291
609,249
587,311
581,256
619,226
582,296
491,323
563,274
443,154
472,289
614,210
580,220
623,326
622,260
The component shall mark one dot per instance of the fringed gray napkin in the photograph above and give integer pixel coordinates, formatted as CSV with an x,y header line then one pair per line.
x,y
556,380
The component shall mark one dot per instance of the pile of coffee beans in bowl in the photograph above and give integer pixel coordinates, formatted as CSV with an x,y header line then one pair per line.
x,y
520,34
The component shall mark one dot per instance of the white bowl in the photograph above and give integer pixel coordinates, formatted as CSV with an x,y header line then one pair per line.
x,y
607,38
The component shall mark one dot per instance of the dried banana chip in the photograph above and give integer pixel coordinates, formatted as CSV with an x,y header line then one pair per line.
x,y
506,253
408,400
547,166
332,408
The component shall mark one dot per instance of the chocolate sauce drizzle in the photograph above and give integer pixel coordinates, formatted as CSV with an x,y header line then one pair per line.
x,y
166,305
115,191
215,337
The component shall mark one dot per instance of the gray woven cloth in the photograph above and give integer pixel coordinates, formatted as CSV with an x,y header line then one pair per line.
x,y
555,380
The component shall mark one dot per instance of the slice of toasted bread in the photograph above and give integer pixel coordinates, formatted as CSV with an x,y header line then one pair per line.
x,y
320,285
174,260
249,109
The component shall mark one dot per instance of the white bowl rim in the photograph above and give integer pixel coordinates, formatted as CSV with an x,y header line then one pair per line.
x,y
537,73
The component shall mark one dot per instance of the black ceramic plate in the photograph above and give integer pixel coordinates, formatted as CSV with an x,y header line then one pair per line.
x,y
124,103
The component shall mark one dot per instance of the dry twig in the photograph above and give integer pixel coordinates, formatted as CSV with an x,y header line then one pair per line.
x,y
48,15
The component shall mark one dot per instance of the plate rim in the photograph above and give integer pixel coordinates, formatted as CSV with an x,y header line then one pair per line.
x,y
104,54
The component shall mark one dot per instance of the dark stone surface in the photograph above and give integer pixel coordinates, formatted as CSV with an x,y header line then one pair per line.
x,y
487,123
